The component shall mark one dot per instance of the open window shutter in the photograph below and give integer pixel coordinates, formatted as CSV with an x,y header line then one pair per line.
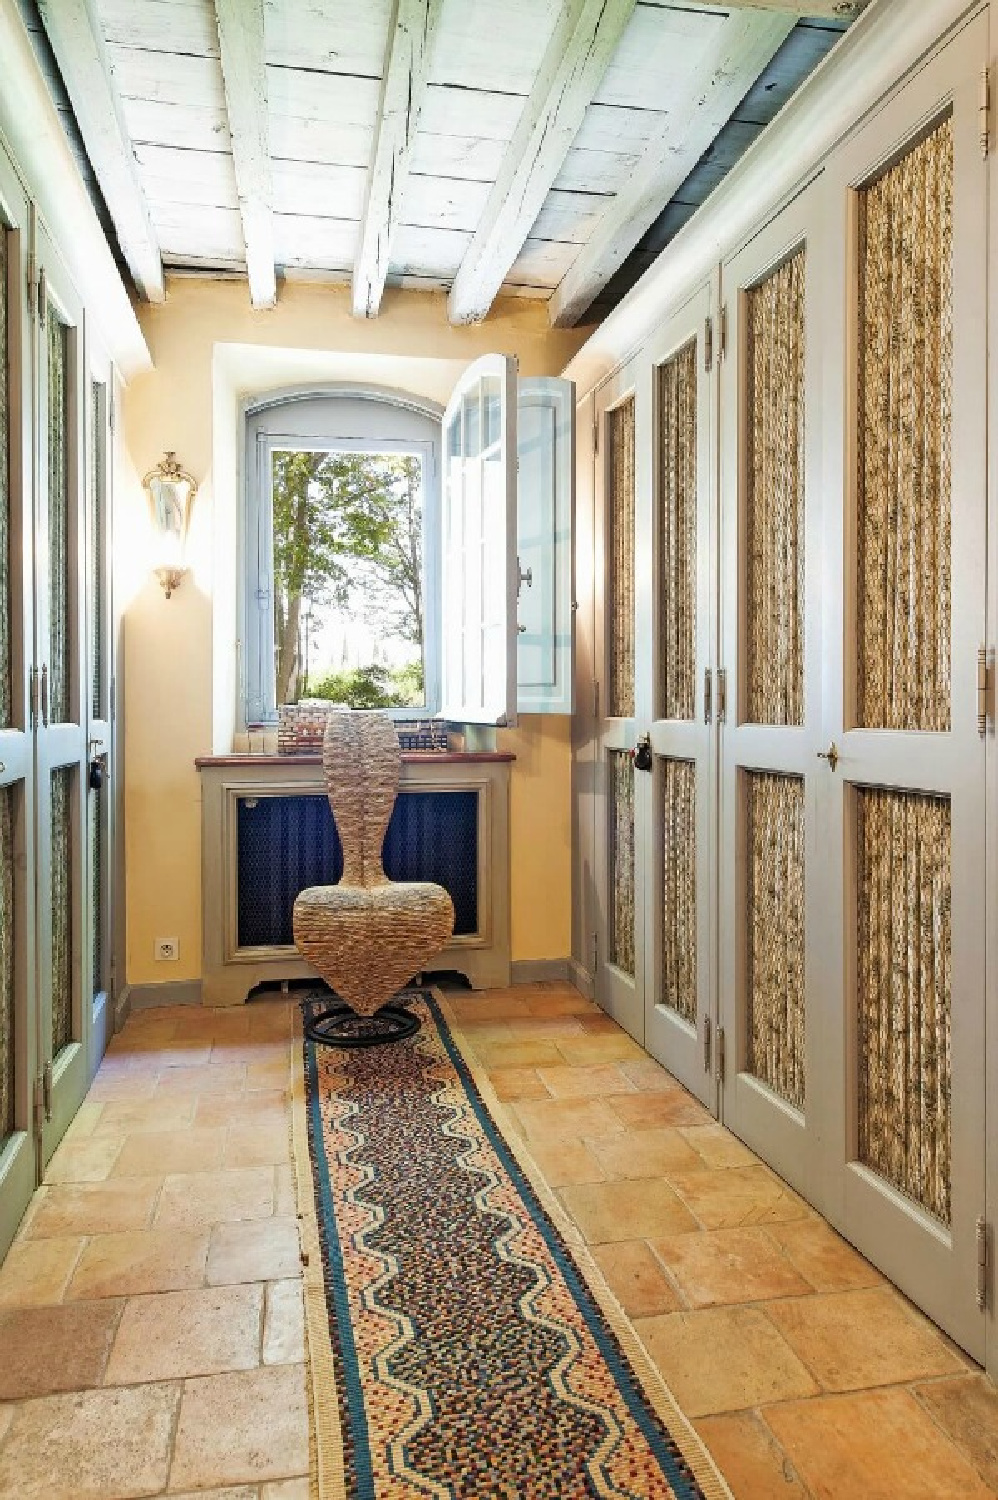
x,y
545,523
479,545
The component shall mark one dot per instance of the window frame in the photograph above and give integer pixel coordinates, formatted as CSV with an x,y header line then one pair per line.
x,y
396,417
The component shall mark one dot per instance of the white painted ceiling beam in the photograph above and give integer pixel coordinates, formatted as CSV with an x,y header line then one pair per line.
x,y
244,73
816,10
577,56
410,43
745,45
74,30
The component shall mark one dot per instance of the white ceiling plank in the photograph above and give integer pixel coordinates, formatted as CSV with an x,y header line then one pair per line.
x,y
170,77
306,241
498,48
192,177
182,126
161,25
815,10
413,27
244,72
335,192
78,43
340,36
747,42
584,40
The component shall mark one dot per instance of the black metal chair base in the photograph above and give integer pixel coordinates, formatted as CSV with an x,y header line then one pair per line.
x,y
341,1026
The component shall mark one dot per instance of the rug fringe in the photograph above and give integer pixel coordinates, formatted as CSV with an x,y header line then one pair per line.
x,y
708,1476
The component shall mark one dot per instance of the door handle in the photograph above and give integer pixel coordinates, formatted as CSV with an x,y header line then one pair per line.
x,y
707,695
642,754
831,755
45,694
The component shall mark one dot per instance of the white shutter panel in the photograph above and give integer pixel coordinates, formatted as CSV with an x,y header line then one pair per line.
x,y
545,525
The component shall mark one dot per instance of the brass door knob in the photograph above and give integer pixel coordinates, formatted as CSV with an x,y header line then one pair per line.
x,y
831,755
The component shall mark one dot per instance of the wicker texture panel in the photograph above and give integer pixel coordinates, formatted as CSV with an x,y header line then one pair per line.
x,y
677,521
620,584
775,496
679,887
905,428
5,404
904,985
622,860
96,603
62,908
7,1024
96,874
775,938
58,516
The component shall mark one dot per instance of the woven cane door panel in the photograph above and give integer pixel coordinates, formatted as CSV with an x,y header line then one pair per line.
x,y
904,432
677,540
61,833
95,875
775,987
5,417
58,518
620,583
622,908
775,508
904,992
96,601
679,887
8,1073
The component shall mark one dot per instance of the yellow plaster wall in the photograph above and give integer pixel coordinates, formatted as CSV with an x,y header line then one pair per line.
x,y
209,349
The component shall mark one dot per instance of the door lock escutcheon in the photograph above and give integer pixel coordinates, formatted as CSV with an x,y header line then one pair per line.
x,y
642,754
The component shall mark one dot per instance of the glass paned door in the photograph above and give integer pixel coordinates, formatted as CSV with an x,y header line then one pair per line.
x,y
100,757
62,693
902,881
771,385
675,701
18,1013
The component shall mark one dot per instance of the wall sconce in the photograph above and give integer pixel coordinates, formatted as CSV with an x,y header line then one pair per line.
x,y
170,491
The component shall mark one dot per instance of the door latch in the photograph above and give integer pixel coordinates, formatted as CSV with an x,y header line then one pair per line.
x,y
643,760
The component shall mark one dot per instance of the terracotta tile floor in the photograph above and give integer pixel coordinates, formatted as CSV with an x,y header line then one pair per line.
x,y
150,1309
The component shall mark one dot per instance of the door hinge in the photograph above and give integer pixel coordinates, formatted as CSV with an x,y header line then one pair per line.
x,y
32,283
982,691
38,1108
596,699
110,409
723,332
720,1055
706,1044
722,694
708,710
984,112
33,697
43,296
982,1263
47,1088
595,955
596,434
708,344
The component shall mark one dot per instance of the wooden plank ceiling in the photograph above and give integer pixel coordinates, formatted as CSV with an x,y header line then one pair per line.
x,y
542,148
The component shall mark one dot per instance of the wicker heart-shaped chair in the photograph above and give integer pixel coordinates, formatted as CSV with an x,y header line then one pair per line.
x,y
368,935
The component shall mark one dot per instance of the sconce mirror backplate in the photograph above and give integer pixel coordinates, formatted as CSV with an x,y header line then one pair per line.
x,y
170,491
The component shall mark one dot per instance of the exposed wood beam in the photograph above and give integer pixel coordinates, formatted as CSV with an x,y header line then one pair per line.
x,y
244,73
746,43
74,30
584,41
410,43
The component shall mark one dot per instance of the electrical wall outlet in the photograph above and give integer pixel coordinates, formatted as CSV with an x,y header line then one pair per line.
x,y
167,950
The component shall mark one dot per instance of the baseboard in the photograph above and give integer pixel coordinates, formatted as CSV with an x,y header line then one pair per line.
x,y
122,1007
174,992
580,977
538,971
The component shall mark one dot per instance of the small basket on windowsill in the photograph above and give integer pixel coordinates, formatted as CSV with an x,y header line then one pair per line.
x,y
300,727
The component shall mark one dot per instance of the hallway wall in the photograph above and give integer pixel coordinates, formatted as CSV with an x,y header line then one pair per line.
x,y
210,350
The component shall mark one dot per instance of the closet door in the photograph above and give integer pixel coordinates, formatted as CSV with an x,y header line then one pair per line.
x,y
61,717
97,690
620,950
903,840
18,1015
769,700
675,702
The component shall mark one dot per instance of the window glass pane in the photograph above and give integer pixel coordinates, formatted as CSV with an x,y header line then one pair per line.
x,y
349,592
472,411
492,406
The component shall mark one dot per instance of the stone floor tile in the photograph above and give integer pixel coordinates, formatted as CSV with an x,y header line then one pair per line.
x,y
61,1348
718,1147
230,1492
284,1324
828,1262
521,1054
227,1079
645,1210
724,1359
635,1277
264,1077
592,1081
879,1445
492,1006
253,1050
558,1003
192,1200
37,1272
123,1084
644,1110
750,1458
563,1161
235,1111
254,1250
136,1261
596,1023
285,1489
129,1116
728,1266
966,1408
643,1153
554,1119
649,1076
89,1160
732,1197
182,1052
856,1339
285,1191
517,1083
91,1445
94,1208
85,1121
257,1145
241,1428
600,1048
6,1418
171,1335
188,1149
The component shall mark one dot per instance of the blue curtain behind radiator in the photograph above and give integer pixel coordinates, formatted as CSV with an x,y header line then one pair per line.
x,y
287,843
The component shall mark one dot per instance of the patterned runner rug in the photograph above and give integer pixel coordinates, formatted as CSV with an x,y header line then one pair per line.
x,y
462,1341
